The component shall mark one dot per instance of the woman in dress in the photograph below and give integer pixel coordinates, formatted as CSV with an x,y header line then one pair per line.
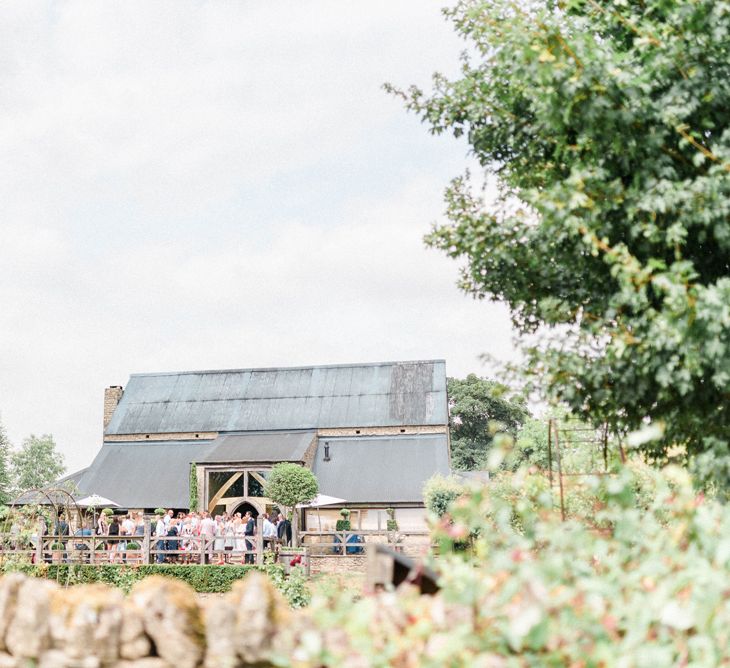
x,y
102,529
239,545
230,538
114,529
220,541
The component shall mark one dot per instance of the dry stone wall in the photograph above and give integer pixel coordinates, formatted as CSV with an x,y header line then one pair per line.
x,y
160,624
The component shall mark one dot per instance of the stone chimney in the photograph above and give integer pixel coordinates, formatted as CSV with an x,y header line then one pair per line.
x,y
112,395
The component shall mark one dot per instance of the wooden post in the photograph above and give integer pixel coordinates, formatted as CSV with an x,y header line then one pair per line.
x,y
550,453
295,527
260,540
146,542
202,548
39,549
559,457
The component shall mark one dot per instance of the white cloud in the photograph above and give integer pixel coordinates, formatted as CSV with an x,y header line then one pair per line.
x,y
202,185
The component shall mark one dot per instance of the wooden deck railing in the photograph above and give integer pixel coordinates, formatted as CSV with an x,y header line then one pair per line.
x,y
354,542
150,549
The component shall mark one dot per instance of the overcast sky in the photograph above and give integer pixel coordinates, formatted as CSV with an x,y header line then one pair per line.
x,y
200,185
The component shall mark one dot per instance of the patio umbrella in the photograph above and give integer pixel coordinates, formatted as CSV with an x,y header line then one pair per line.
x,y
319,501
95,501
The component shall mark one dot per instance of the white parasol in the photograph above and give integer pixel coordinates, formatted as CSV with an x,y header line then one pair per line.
x,y
319,501
95,501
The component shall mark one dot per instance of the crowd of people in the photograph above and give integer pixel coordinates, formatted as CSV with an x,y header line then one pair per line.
x,y
175,538
222,538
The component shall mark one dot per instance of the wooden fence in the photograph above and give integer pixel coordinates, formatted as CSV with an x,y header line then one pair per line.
x,y
354,542
149,549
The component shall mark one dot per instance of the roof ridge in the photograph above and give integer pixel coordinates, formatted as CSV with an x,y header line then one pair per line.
x,y
288,368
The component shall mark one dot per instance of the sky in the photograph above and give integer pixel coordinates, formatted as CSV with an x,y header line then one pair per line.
x,y
207,185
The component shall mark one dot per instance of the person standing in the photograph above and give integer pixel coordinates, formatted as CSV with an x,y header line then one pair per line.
x,y
283,530
127,530
249,533
207,533
269,533
172,542
139,525
62,532
160,533
114,530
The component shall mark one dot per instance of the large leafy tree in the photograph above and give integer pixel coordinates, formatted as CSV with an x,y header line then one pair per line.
x,y
37,463
6,480
478,409
606,127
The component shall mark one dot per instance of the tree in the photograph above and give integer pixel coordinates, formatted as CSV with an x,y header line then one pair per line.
x,y
606,129
478,409
37,463
440,492
6,480
290,484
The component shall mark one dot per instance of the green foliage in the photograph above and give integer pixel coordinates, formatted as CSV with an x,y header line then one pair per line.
x,y
440,492
391,524
290,484
342,525
160,511
606,130
642,583
295,588
193,503
202,578
6,479
107,511
38,463
478,409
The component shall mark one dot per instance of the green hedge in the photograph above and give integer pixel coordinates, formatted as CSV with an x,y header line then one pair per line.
x,y
202,578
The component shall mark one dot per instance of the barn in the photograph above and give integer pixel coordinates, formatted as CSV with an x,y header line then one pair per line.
x,y
371,433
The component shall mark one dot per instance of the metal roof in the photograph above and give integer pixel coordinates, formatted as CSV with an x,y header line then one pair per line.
x,y
260,447
380,469
354,395
144,474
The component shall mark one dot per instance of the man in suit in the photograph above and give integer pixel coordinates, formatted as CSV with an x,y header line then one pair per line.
x,y
283,530
249,532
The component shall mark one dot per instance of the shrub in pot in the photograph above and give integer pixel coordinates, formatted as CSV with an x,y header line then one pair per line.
x,y
344,523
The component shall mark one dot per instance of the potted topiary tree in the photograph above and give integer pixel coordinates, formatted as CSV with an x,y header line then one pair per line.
x,y
289,485
394,537
344,523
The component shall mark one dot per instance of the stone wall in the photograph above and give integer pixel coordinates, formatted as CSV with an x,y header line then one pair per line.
x,y
330,563
160,624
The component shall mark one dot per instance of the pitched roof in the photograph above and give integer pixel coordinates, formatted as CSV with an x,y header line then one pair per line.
x,y
362,395
147,474
384,469
144,474
259,447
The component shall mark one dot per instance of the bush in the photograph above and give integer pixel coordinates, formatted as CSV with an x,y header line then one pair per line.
x,y
647,589
202,578
290,484
439,492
